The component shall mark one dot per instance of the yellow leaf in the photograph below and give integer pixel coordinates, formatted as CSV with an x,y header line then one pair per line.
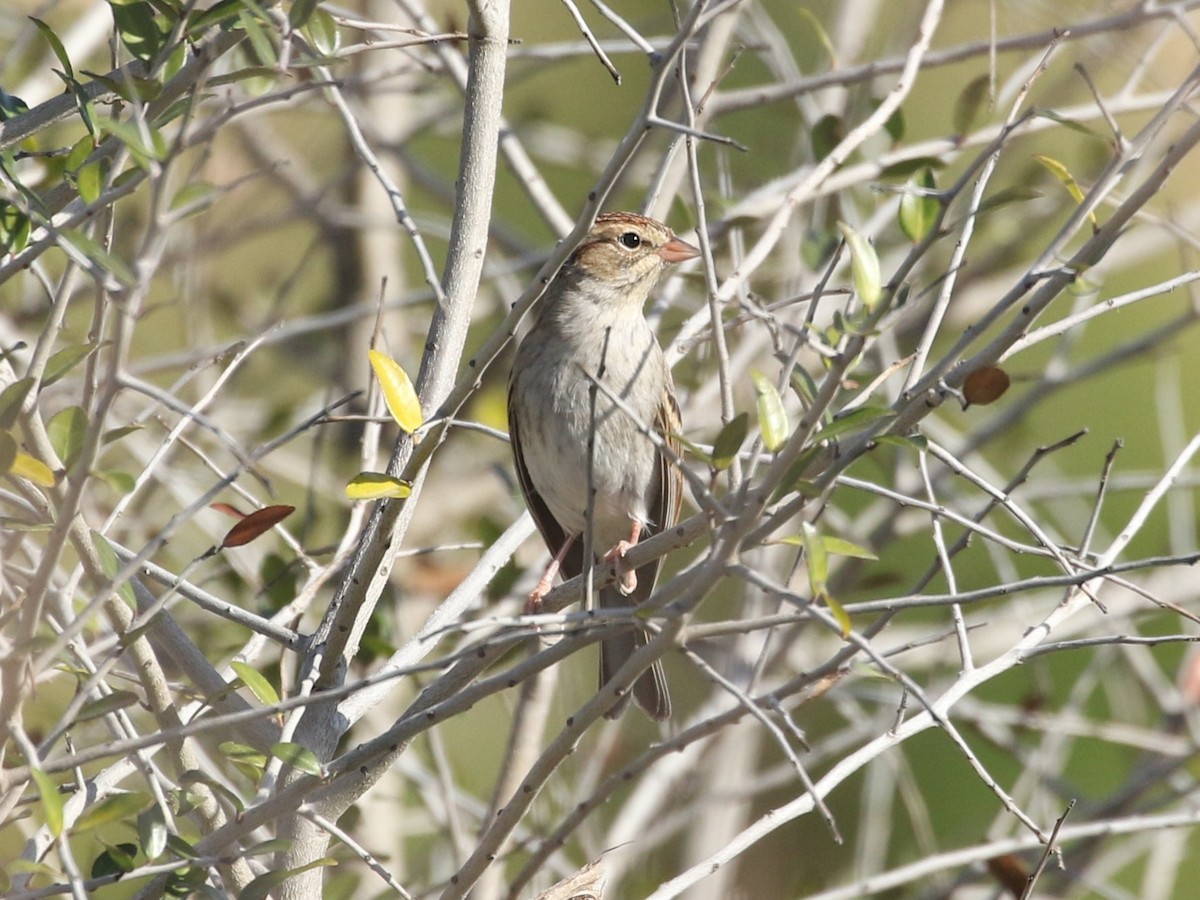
x,y
398,392
377,486
25,466
840,614
52,801
1063,174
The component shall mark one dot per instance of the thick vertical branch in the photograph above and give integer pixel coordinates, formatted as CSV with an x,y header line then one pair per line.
x,y
337,638
447,335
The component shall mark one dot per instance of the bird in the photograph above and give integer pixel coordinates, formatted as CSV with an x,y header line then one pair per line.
x,y
590,327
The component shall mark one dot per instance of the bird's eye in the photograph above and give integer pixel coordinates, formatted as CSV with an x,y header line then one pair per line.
x,y
631,240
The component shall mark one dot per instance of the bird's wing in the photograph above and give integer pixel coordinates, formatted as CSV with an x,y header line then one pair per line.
x,y
552,533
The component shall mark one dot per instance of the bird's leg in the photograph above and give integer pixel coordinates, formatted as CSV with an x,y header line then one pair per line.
x,y
533,604
626,575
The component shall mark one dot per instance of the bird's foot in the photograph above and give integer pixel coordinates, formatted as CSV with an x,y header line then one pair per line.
x,y
626,575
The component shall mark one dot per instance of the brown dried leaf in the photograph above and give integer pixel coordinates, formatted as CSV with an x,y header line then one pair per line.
x,y
255,524
231,511
986,385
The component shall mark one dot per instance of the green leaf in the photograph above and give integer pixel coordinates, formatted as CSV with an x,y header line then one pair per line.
x,y
132,137
298,757
109,703
51,800
695,449
826,134
187,883
115,860
15,228
119,482
80,152
1069,123
8,523
217,15
907,441
115,434
729,440
116,808
967,106
841,547
818,575
250,761
56,45
324,32
171,9
833,546
815,557
67,430
64,361
90,181
1015,194
264,848
11,399
818,247
377,486
853,421
110,564
31,867
279,579
10,353
906,167
301,11
109,262
8,452
818,30
864,266
264,50
194,197
918,208
398,391
794,479
152,831
894,126
772,417
11,106
176,58
260,888
247,73
82,102
804,386
180,847
137,27
259,686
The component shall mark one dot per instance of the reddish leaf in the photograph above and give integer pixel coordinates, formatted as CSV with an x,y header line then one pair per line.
x,y
1189,681
1010,872
985,385
231,511
256,523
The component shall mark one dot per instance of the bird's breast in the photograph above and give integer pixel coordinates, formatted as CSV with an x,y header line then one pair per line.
x,y
571,427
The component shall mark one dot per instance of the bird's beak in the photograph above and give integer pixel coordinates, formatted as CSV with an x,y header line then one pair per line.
x,y
676,251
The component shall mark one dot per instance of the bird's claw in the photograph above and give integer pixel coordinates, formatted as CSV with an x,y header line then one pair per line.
x,y
626,576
